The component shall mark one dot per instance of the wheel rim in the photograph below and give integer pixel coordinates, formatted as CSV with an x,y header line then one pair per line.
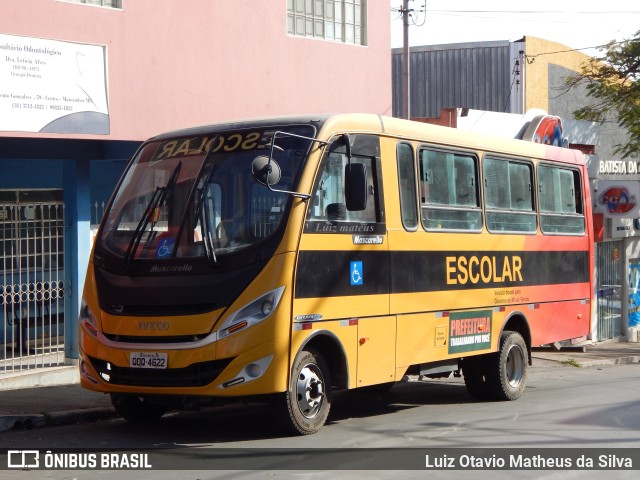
x,y
310,390
515,365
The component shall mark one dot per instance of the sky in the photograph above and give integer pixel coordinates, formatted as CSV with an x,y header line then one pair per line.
x,y
577,24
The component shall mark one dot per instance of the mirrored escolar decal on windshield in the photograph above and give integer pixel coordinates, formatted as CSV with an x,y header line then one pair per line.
x,y
196,197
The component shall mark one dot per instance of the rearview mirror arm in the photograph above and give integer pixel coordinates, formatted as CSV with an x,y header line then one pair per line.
x,y
304,196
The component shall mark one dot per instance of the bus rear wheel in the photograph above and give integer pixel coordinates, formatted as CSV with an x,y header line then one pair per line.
x,y
307,402
136,408
473,370
507,377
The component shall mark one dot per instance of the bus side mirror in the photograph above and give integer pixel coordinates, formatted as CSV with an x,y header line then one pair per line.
x,y
265,170
355,188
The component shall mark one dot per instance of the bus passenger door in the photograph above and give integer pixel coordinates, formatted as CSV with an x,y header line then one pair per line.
x,y
342,276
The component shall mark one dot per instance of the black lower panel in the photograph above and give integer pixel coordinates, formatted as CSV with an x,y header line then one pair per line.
x,y
195,375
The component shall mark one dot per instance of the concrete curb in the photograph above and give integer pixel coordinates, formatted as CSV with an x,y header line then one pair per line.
x,y
77,416
576,361
21,422
609,361
47,419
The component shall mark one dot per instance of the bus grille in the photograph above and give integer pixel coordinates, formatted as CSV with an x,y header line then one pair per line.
x,y
155,339
195,375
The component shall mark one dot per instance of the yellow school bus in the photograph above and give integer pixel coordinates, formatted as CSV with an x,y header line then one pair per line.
x,y
288,258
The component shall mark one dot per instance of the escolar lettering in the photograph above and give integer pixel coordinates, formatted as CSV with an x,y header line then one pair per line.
x,y
226,142
485,269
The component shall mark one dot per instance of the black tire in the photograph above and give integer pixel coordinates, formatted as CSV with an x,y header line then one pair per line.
x,y
507,375
137,409
473,370
305,406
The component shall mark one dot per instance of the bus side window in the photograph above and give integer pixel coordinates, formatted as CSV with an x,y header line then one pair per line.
x,y
328,203
449,191
407,186
509,196
561,209
328,198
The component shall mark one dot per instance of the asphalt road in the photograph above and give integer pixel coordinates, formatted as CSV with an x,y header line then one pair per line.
x,y
590,409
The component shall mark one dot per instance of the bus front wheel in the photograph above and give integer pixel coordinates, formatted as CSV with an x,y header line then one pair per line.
x,y
308,400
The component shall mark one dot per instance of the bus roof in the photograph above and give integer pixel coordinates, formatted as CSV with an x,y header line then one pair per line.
x,y
393,127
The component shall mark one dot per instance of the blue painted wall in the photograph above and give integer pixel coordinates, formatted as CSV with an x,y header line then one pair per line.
x,y
86,171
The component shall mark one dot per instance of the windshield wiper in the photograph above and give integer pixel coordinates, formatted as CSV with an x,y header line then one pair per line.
x,y
196,197
157,200
203,215
209,247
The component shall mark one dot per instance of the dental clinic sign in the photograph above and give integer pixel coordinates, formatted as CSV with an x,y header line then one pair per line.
x,y
51,86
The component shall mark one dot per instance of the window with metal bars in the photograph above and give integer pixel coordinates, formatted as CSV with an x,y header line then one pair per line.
x,y
100,3
336,20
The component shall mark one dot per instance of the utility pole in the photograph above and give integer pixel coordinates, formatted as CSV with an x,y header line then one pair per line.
x,y
405,58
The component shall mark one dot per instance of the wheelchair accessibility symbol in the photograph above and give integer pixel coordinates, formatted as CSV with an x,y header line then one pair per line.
x,y
356,273
165,248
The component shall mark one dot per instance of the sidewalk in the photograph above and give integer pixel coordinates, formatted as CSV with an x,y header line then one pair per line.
x,y
64,404
604,353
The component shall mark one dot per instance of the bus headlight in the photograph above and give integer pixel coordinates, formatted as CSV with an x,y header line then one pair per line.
x,y
252,313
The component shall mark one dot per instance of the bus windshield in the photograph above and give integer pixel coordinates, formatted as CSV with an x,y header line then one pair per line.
x,y
195,196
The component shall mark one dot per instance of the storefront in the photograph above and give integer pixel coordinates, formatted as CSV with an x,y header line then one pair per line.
x,y
616,200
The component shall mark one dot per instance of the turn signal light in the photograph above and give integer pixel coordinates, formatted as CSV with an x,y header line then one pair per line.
x,y
237,326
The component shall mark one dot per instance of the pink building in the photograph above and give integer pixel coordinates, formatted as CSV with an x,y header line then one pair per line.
x,y
173,63
82,82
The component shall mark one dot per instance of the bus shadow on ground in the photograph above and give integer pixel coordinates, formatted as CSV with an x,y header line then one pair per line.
x,y
375,400
239,422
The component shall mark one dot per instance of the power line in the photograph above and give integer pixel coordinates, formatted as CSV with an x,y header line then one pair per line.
x,y
541,12
402,11
531,58
531,17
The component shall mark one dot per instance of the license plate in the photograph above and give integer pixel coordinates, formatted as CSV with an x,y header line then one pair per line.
x,y
148,360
